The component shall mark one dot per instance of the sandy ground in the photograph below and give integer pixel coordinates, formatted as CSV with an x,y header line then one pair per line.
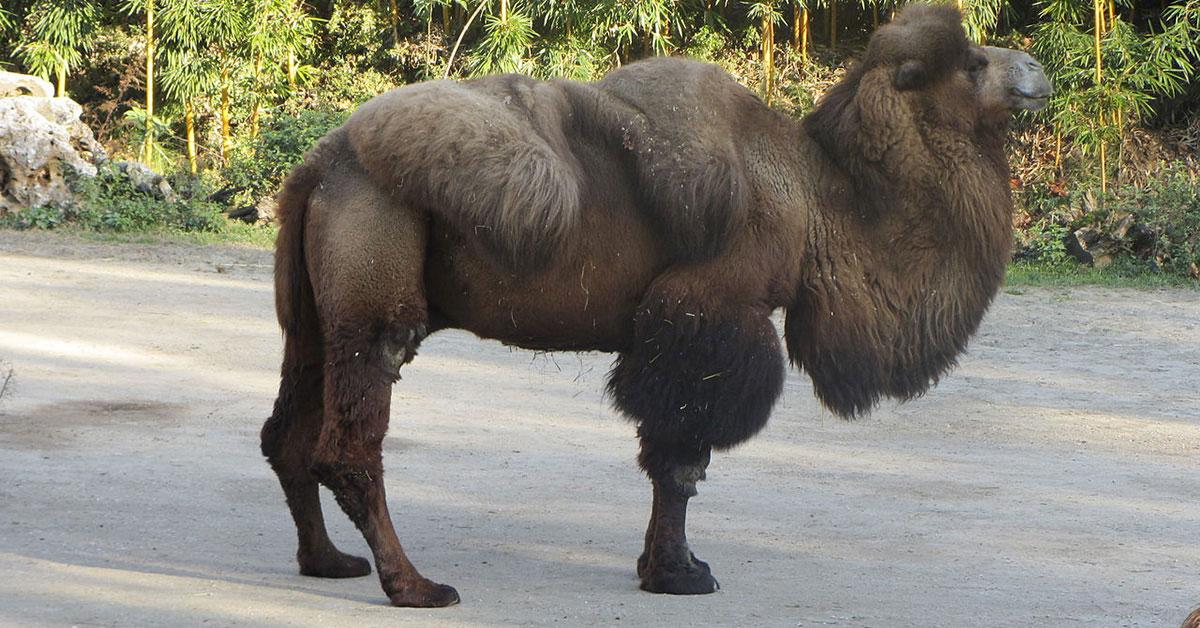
x,y
1052,480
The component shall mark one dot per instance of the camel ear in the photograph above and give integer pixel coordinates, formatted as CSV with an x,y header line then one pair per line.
x,y
910,75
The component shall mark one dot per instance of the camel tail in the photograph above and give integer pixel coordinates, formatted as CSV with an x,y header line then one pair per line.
x,y
293,292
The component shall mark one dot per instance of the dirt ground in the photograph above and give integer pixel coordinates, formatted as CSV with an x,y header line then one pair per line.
x,y
1053,479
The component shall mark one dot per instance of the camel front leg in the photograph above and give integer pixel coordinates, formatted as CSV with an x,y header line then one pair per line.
x,y
667,564
693,382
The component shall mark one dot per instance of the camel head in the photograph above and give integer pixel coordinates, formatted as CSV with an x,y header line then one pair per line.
x,y
919,72
1011,79
925,48
914,134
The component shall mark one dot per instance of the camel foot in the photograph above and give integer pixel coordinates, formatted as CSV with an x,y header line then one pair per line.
x,y
334,564
643,562
690,578
423,594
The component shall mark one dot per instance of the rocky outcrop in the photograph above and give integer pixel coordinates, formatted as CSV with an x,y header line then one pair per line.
x,y
13,84
41,139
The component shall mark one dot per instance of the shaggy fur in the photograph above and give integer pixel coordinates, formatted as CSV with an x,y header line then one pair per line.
x,y
663,213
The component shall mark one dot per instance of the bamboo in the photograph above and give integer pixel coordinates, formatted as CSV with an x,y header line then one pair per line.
x,y
504,11
148,143
257,106
189,120
768,56
804,34
1058,152
224,110
1098,27
833,23
875,14
461,34
395,17
61,86
291,69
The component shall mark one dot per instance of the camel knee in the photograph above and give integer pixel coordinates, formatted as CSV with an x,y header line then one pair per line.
x,y
375,351
674,467
711,386
351,483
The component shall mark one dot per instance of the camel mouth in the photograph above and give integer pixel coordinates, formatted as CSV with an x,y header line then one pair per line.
x,y
1031,99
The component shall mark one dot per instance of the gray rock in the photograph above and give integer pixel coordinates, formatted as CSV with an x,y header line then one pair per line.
x,y
41,139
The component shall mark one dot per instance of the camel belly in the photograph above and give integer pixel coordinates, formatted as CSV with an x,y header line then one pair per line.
x,y
583,300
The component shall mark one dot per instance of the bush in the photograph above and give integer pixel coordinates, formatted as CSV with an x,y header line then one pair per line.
x,y
1170,208
110,202
1153,229
279,147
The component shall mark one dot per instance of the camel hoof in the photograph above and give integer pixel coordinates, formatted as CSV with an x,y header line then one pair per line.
x,y
643,562
425,594
336,565
693,578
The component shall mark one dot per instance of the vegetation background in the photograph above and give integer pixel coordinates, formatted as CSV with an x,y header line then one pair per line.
x,y
225,95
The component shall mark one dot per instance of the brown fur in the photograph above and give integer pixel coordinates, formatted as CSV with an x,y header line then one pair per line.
x,y
663,213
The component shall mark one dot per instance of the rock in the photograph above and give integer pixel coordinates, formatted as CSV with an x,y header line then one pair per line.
x,y
261,212
40,139
1120,234
13,84
147,181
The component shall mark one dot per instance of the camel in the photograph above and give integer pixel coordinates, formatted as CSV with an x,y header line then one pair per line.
x,y
662,213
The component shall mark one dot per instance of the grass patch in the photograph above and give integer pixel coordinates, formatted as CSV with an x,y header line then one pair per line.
x,y
1123,274
236,233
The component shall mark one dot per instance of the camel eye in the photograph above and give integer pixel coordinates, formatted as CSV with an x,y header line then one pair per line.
x,y
977,64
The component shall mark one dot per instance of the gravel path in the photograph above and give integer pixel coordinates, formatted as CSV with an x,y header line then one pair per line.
x,y
1052,480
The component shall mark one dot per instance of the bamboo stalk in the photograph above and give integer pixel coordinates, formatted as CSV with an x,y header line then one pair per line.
x,y
189,120
461,34
291,69
1098,25
768,56
1058,152
224,111
148,143
833,23
804,34
395,17
257,106
61,73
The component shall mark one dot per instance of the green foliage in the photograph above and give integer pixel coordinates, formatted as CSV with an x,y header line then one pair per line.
x,y
1170,208
109,202
56,35
506,44
706,44
1137,67
278,148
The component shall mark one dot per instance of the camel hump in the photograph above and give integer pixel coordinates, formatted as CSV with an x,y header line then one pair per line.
x,y
490,157
685,139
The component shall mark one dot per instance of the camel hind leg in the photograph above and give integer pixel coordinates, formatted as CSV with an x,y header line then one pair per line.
x,y
288,440
365,254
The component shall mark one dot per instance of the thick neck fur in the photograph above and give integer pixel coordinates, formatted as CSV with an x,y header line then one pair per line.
x,y
900,266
